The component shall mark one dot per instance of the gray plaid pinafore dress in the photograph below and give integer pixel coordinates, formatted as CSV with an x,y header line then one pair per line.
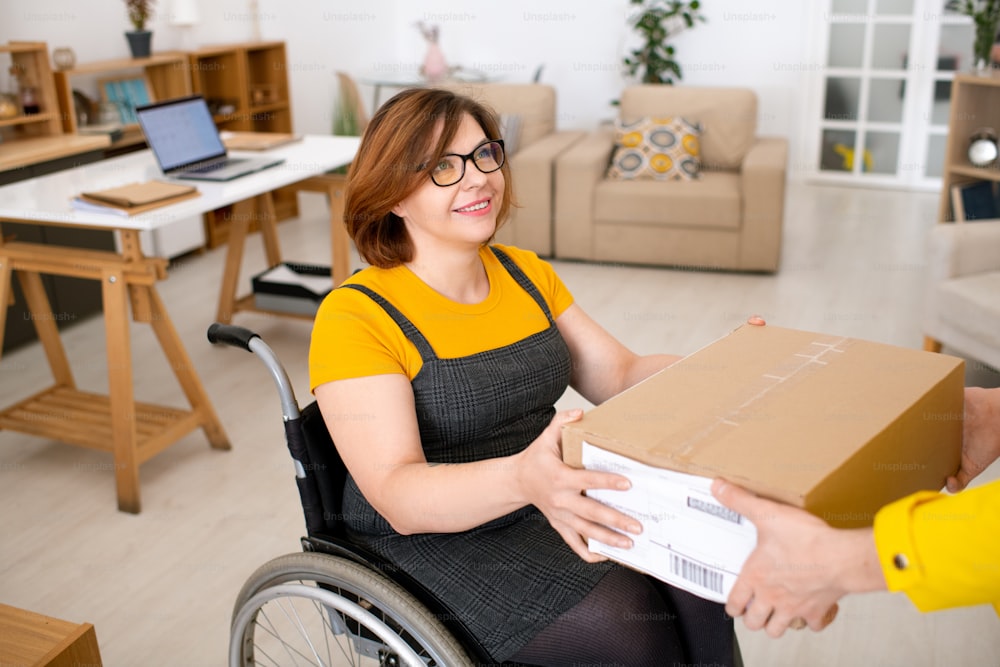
x,y
509,578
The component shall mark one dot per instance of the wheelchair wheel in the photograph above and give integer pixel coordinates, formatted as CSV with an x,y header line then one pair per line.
x,y
316,609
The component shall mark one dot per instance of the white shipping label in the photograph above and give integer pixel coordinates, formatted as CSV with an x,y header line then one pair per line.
x,y
688,539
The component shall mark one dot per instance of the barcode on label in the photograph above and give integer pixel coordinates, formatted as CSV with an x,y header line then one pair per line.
x,y
696,573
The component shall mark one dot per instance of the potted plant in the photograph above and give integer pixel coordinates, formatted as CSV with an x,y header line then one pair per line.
x,y
985,15
140,39
658,21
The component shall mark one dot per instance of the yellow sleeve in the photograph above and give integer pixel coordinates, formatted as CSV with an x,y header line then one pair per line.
x,y
350,321
941,550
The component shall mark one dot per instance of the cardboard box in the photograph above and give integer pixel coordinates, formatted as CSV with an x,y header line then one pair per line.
x,y
292,288
835,425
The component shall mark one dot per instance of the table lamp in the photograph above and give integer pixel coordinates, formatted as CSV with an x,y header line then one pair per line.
x,y
184,15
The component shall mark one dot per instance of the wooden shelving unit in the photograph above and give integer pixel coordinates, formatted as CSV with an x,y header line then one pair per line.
x,y
31,62
247,83
975,103
23,132
166,74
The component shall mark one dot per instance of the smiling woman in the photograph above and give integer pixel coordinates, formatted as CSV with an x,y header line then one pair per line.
x,y
457,350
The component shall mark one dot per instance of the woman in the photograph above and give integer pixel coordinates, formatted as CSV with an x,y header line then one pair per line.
x,y
437,369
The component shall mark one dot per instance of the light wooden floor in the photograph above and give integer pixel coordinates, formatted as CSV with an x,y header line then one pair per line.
x,y
159,586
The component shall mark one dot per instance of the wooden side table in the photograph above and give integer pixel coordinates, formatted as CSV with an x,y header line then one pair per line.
x,y
31,639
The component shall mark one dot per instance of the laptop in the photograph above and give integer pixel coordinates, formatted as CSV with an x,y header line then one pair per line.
x,y
183,137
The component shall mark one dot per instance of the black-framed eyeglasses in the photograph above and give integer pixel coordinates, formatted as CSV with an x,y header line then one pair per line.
x,y
450,168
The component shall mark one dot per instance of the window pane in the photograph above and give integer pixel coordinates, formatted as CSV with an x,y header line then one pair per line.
x,y
847,42
955,47
941,104
850,6
880,152
935,155
892,42
885,100
842,95
892,7
838,150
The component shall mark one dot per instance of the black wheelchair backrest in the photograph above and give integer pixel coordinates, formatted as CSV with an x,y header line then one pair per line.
x,y
325,472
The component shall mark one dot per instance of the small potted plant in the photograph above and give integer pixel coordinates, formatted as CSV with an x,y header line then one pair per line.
x,y
657,22
139,39
985,15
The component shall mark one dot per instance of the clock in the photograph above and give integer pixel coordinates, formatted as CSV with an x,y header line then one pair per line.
x,y
983,147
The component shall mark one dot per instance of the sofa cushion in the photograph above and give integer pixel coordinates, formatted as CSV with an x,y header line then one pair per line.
x,y
659,149
712,201
728,116
972,303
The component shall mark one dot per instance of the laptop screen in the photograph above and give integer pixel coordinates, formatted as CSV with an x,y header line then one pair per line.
x,y
180,132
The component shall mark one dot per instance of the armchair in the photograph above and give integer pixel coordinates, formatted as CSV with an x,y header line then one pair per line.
x,y
528,110
962,305
730,217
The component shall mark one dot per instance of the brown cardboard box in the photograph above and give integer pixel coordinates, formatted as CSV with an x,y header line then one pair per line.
x,y
838,426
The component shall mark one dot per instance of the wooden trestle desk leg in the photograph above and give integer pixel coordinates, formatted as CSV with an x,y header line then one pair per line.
x,y
45,326
146,307
137,430
41,314
120,390
183,369
260,208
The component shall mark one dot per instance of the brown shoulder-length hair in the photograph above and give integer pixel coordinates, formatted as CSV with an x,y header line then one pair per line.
x,y
395,158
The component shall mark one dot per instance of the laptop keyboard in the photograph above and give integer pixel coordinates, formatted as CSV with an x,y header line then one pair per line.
x,y
204,169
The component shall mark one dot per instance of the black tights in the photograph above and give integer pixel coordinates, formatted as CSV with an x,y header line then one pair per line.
x,y
631,620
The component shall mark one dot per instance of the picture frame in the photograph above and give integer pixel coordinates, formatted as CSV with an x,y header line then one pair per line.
x,y
127,93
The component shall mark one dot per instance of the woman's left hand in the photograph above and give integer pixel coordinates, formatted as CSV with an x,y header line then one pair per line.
x,y
558,491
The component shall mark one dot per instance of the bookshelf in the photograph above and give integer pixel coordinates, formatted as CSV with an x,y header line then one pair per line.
x,y
30,61
165,75
246,86
975,103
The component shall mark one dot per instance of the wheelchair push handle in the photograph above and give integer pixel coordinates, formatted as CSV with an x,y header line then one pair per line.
x,y
232,335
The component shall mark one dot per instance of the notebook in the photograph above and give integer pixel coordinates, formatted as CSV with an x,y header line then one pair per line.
x,y
183,137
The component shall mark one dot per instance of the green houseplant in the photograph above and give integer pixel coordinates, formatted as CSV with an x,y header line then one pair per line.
x,y
985,15
139,39
657,22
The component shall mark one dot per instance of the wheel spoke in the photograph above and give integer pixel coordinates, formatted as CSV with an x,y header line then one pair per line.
x,y
324,611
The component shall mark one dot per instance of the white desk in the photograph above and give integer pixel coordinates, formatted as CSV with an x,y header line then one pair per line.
x,y
133,431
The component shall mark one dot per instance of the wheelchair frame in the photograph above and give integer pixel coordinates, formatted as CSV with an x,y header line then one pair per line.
x,y
382,612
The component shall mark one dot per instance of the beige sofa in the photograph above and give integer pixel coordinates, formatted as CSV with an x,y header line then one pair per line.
x,y
962,303
729,218
529,110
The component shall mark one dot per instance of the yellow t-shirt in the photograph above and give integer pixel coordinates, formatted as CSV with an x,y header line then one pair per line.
x,y
941,550
354,337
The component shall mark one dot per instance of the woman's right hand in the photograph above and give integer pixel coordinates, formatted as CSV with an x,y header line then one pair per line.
x,y
557,490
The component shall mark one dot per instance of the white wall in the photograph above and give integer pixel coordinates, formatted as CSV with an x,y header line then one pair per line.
x,y
763,45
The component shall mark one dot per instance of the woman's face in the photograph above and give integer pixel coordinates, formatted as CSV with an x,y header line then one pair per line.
x,y
462,214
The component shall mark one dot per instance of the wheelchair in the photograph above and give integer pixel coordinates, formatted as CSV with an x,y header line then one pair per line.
x,y
334,603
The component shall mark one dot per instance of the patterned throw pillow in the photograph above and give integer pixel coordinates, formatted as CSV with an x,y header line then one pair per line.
x,y
662,149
